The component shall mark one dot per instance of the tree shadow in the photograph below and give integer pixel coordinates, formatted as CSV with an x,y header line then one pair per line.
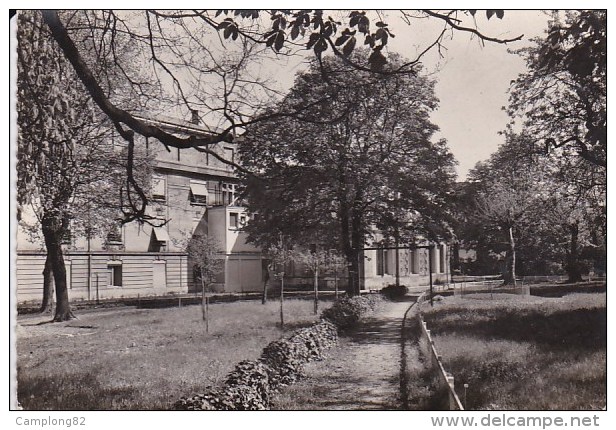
x,y
584,329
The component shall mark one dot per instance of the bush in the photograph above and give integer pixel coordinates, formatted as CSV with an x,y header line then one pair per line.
x,y
348,311
394,292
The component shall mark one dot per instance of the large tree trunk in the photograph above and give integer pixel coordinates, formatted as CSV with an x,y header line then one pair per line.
x,y
47,304
52,234
573,266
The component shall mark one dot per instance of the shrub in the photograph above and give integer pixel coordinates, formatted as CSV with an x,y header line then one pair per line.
x,y
347,311
394,292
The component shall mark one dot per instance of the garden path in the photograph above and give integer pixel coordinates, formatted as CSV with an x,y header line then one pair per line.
x,y
362,373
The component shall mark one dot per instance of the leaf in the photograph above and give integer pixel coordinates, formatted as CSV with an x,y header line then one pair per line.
x,y
314,37
473,11
279,43
321,46
348,48
489,13
500,14
377,60
294,32
341,40
364,24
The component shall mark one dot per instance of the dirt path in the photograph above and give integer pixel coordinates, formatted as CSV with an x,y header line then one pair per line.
x,y
362,373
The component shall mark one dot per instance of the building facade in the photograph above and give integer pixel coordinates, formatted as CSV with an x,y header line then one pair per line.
x,y
192,193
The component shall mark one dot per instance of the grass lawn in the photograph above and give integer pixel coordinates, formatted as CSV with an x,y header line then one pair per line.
x,y
524,353
142,359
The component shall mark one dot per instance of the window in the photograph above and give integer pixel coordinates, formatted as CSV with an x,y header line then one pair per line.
x,y
229,154
115,234
380,262
228,193
198,192
233,220
158,239
443,259
114,271
159,188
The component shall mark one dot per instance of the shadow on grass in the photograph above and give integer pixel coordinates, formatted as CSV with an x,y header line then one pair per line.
x,y
78,392
584,329
375,331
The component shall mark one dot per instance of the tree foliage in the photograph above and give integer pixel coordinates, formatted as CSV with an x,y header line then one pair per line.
x,y
562,99
209,62
69,172
362,148
522,199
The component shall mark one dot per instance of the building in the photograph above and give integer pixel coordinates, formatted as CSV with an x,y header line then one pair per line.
x,y
196,194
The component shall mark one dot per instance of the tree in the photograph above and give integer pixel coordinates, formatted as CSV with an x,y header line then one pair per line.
x,y
278,253
507,206
562,99
205,253
187,62
68,170
334,262
329,175
547,207
315,260
562,102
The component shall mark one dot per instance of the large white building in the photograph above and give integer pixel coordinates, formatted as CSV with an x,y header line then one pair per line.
x,y
195,194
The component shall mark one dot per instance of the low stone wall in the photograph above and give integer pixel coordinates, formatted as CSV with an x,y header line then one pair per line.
x,y
249,386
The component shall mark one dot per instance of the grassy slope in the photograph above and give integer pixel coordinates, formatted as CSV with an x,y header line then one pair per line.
x,y
142,359
525,352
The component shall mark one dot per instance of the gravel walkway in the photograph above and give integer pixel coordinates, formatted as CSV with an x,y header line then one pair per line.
x,y
362,373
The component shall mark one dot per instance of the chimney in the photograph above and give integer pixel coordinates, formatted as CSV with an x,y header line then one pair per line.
x,y
195,117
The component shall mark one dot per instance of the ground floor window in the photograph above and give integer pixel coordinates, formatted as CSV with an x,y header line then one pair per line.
x,y
381,256
114,272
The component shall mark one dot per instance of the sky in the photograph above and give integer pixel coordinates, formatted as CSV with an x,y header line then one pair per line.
x,y
472,78
473,82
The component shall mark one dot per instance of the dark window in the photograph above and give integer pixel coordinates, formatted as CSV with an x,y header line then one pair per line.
x,y
443,259
233,220
229,154
198,193
115,235
159,188
380,262
115,274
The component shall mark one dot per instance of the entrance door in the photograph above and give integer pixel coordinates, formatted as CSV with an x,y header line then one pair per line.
x,y
159,272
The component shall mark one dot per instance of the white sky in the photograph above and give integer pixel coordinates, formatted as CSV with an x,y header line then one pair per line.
x,y
472,80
